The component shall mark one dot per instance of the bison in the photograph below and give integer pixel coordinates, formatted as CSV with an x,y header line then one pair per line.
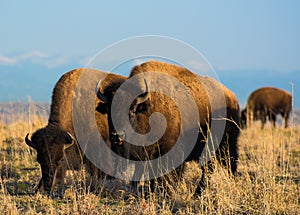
x,y
56,144
211,99
267,102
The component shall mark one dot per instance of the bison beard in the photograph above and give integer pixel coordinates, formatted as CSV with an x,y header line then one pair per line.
x,y
206,93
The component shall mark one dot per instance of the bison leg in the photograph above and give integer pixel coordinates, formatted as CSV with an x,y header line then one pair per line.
x,y
163,184
95,182
145,189
286,118
228,156
229,161
207,170
96,178
142,190
272,118
170,181
263,120
167,183
40,187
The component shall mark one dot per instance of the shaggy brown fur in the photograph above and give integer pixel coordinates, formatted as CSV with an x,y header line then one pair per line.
x,y
267,102
206,93
51,141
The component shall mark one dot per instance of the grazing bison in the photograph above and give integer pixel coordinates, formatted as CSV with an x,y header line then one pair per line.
x,y
267,102
142,114
56,144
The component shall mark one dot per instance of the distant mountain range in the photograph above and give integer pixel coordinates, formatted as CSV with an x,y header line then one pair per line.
x,y
33,82
14,111
29,81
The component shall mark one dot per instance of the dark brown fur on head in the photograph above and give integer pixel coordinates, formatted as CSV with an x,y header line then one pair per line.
x,y
49,142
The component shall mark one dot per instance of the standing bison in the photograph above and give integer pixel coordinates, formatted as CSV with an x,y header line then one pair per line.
x,y
267,102
56,144
145,111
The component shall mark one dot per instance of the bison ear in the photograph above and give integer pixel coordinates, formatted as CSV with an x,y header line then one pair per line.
x,y
69,140
29,142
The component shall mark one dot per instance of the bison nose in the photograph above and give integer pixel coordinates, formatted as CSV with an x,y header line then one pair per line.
x,y
118,138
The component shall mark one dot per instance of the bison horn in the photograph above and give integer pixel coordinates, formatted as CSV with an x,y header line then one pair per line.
x,y
99,94
66,146
29,142
142,98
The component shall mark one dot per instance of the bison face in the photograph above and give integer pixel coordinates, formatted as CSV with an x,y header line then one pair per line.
x,y
49,143
137,110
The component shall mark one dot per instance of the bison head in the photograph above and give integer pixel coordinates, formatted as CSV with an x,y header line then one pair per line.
x,y
140,121
50,143
136,111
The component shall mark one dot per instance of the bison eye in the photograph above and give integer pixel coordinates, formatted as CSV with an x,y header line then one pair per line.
x,y
138,108
141,108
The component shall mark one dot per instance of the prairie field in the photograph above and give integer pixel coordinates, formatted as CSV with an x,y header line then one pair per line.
x,y
268,180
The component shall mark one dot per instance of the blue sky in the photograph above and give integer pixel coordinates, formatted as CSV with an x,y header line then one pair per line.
x,y
56,36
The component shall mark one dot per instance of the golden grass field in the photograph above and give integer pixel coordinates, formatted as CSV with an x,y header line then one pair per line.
x,y
268,181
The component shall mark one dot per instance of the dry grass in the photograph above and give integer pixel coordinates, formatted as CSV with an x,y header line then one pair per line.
x,y
268,181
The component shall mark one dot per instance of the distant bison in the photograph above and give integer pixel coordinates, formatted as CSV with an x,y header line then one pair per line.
x,y
207,94
267,102
56,144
